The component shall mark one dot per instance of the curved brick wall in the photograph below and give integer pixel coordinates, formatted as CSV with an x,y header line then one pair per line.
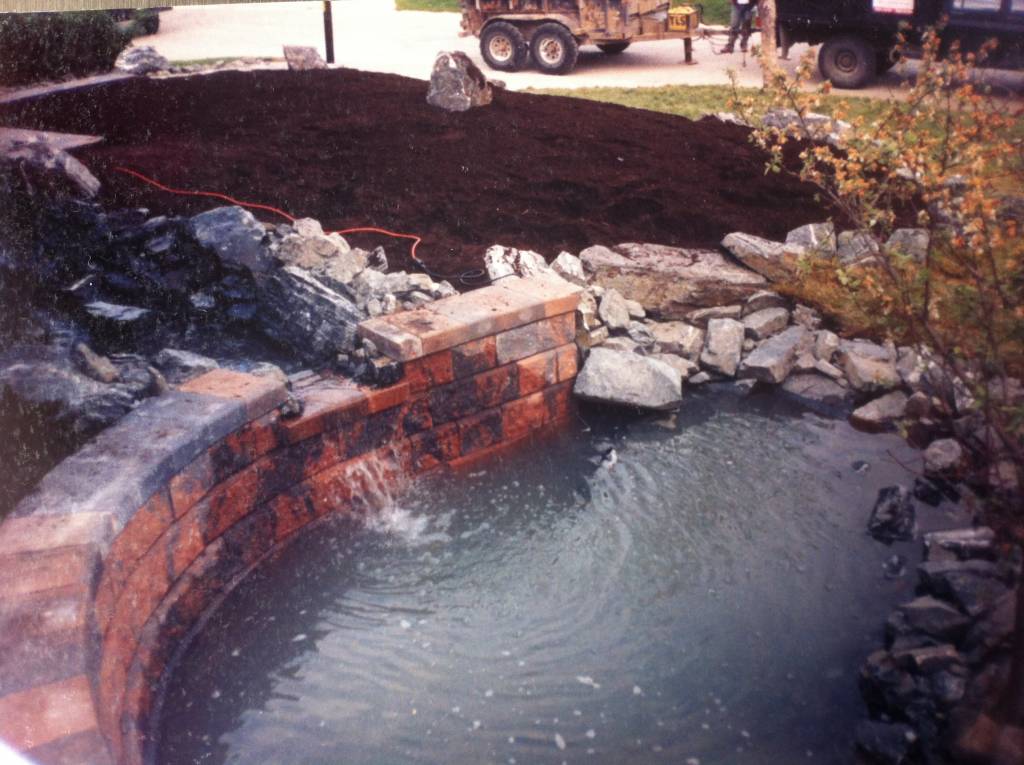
x,y
112,561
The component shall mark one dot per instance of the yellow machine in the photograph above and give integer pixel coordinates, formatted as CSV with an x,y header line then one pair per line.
x,y
551,31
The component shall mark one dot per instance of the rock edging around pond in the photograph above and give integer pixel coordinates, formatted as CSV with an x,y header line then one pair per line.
x,y
114,558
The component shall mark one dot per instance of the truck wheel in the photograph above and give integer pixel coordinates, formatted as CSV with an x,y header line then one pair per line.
x,y
848,61
503,47
554,49
613,48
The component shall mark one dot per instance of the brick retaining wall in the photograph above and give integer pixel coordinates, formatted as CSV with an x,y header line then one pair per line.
x,y
112,561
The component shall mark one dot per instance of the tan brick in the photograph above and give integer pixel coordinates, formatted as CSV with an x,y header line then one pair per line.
x,y
568,362
534,338
556,295
69,569
36,533
489,310
258,394
47,713
327,405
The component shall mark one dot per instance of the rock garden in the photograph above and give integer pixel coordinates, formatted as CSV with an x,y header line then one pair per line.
x,y
118,289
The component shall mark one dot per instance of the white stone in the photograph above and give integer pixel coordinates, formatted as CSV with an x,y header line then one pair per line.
x,y
766,322
570,268
943,456
723,346
622,378
613,310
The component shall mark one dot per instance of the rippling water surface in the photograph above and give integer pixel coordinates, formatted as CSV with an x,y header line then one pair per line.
x,y
709,595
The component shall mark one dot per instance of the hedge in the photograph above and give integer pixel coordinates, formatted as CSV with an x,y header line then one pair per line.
x,y
53,46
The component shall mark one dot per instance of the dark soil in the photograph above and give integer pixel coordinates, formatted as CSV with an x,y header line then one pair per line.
x,y
357,149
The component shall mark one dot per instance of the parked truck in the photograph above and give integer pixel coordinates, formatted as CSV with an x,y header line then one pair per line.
x,y
551,31
859,37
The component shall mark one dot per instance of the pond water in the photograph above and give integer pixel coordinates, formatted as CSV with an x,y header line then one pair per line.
x,y
704,595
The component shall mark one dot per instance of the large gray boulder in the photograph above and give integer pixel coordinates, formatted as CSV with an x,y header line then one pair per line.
x,y
628,379
723,346
301,312
819,238
178,365
774,260
868,366
881,412
141,59
457,84
613,310
670,282
773,360
817,392
677,337
766,322
302,58
235,236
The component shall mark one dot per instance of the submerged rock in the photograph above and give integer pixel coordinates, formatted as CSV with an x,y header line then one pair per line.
x,y
893,516
943,456
886,743
623,378
818,392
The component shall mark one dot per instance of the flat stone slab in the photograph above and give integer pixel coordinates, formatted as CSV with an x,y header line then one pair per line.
x,y
63,141
63,87
438,326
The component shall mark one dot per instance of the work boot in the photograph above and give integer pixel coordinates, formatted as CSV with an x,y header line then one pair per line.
x,y
731,45
743,44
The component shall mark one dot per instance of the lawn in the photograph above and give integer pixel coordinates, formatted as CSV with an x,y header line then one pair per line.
x,y
715,11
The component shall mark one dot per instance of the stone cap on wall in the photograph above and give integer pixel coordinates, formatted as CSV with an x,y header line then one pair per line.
x,y
506,304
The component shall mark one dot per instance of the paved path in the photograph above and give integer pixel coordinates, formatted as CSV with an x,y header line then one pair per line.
x,y
371,35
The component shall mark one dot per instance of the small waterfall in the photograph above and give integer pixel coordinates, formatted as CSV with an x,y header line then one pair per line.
x,y
379,485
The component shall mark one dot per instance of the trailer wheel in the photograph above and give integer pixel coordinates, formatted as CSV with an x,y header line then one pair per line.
x,y
503,47
848,61
554,49
886,60
613,48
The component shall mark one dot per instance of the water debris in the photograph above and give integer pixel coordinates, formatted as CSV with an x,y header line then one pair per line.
x,y
405,624
638,691
587,680
745,734
559,741
477,724
488,693
590,733
299,638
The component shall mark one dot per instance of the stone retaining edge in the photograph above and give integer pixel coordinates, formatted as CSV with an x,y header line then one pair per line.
x,y
108,566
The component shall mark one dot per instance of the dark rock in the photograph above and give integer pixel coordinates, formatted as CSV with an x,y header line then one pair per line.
x,y
114,324
234,236
929,659
142,59
893,516
457,84
994,629
933,490
177,366
886,743
931,617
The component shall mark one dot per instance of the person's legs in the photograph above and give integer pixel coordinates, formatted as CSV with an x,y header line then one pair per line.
x,y
735,22
747,12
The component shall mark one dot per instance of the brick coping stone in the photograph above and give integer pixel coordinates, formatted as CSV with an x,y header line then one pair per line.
x,y
111,563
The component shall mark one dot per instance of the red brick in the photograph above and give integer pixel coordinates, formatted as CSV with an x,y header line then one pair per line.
x,y
258,394
50,532
192,484
68,569
291,512
143,591
474,357
568,362
480,431
524,415
47,713
429,371
416,417
184,543
463,398
433,448
145,526
486,455
537,372
497,386
535,338
230,501
327,405
330,490
259,437
380,399
104,603
560,402
117,654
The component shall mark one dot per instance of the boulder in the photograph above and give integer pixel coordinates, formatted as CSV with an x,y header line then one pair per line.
x,y
818,393
819,238
456,84
909,242
893,516
886,743
678,338
302,58
613,310
114,324
943,456
973,585
141,59
339,271
303,313
616,377
640,334
962,543
49,169
570,268
763,299
774,260
869,367
723,346
702,316
588,338
766,322
882,412
856,248
806,317
667,281
931,617
586,311
636,311
825,344
773,359
234,236
625,344
177,366
683,366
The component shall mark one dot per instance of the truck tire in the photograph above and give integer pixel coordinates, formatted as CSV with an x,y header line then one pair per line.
x,y
554,49
848,61
613,48
503,47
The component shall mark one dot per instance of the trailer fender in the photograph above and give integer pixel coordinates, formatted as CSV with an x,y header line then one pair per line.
x,y
530,21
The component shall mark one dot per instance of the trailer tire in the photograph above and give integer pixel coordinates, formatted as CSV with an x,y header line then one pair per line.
x,y
848,61
886,60
503,47
613,48
554,49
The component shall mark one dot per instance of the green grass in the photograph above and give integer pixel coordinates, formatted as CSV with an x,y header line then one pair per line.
x,y
697,100
715,11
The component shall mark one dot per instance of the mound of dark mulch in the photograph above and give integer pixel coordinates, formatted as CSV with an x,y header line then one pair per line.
x,y
353,148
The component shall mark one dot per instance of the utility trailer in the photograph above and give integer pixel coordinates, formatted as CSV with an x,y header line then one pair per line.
x,y
551,31
859,37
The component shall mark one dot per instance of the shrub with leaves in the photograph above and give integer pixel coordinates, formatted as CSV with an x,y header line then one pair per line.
x,y
52,46
939,158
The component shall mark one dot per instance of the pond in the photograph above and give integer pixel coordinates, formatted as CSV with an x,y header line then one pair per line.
x,y
697,587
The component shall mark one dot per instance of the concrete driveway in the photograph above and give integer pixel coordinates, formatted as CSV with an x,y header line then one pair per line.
x,y
371,35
